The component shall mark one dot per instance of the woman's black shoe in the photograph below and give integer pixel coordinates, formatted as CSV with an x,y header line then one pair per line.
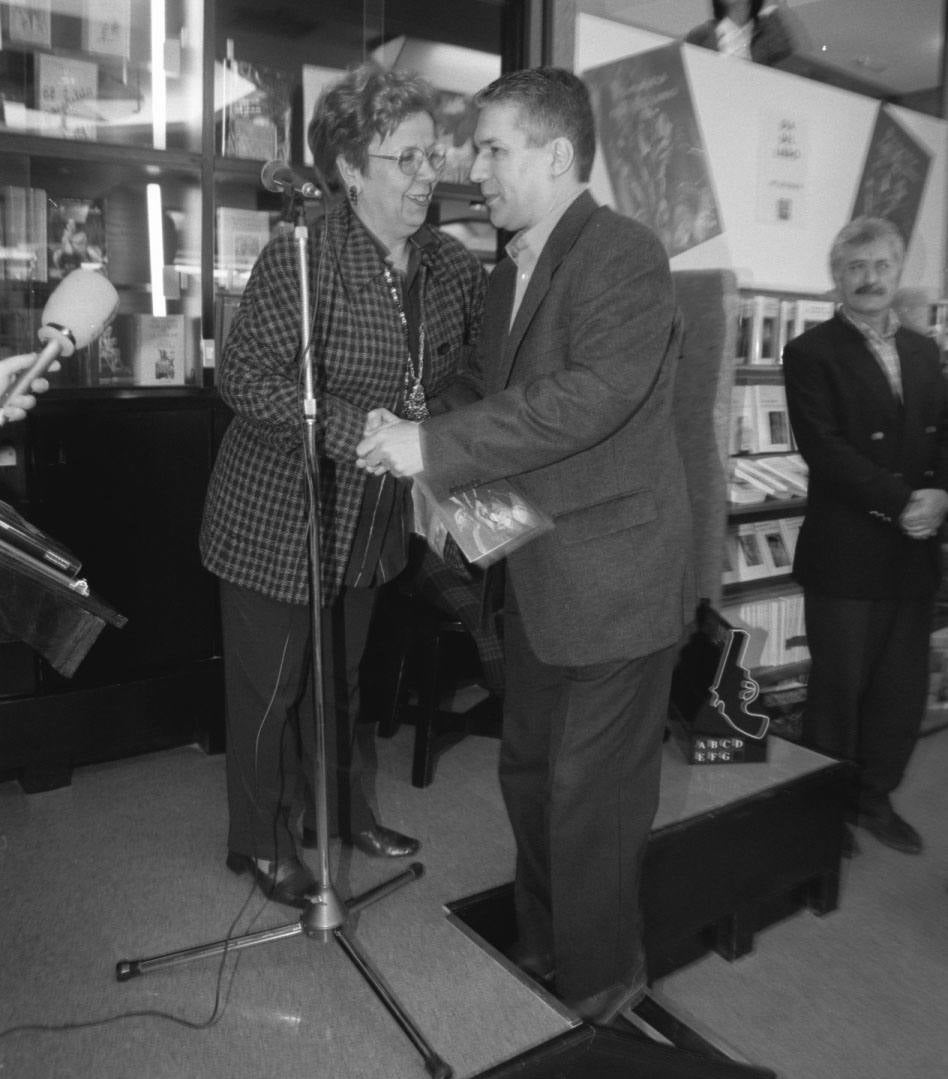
x,y
381,842
288,882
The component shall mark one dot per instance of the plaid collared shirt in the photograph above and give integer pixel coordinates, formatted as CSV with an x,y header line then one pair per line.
x,y
255,521
882,346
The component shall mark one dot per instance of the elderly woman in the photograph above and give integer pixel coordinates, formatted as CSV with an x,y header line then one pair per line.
x,y
395,302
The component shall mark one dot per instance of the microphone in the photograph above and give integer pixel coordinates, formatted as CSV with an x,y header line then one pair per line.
x,y
77,311
279,176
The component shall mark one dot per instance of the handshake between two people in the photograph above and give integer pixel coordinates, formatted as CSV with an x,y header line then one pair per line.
x,y
924,513
390,444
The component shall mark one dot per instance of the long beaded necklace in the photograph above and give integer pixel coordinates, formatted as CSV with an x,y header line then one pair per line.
x,y
414,404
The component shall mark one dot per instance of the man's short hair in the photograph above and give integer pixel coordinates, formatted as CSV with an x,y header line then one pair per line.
x,y
553,103
862,231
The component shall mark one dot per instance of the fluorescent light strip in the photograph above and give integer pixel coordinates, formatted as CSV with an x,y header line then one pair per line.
x,y
159,90
156,249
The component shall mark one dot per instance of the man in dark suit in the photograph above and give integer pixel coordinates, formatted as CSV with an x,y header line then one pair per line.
x,y
867,402
570,394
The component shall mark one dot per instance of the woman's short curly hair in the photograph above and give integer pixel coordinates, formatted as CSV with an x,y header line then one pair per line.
x,y
367,101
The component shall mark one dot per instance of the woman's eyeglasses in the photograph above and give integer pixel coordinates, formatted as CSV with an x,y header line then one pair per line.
x,y
412,158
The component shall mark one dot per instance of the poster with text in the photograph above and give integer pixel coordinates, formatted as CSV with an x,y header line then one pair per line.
x,y
652,146
893,177
782,169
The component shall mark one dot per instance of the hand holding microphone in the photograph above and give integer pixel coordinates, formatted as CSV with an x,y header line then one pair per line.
x,y
75,314
17,407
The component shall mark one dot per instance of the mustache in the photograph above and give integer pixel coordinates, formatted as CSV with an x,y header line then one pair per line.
x,y
870,290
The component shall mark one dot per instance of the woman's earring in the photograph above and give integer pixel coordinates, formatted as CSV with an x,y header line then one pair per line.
x,y
353,194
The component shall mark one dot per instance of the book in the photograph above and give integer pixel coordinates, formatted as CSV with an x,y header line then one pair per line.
x,y
774,547
67,88
785,326
159,350
810,313
745,323
746,469
488,521
241,236
75,236
16,531
23,233
255,111
742,420
790,469
751,561
771,418
31,23
765,331
106,27
790,526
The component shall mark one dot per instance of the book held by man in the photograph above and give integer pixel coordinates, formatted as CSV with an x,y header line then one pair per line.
x,y
487,521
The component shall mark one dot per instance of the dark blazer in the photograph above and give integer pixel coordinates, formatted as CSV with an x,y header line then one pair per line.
x,y
866,453
574,404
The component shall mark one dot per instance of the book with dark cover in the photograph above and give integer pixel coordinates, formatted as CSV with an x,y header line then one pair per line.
x,y
893,176
16,531
652,146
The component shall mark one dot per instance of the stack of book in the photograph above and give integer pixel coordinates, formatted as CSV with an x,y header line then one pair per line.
x,y
755,479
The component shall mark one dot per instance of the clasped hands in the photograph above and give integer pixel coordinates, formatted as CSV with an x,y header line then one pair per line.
x,y
389,444
923,515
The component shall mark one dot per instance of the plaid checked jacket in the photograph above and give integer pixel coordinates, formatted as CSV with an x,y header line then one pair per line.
x,y
254,529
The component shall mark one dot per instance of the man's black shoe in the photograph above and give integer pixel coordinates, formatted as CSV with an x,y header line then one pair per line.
x,y
381,842
289,881
537,967
889,828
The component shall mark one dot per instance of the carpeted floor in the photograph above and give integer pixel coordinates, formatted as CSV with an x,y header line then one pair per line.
x,y
128,862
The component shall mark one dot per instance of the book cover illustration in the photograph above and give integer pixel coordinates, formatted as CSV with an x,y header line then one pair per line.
x,y
241,236
160,356
76,236
487,521
106,27
66,92
652,146
256,111
893,177
31,23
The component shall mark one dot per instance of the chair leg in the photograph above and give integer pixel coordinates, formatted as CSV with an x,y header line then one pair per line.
x,y
422,769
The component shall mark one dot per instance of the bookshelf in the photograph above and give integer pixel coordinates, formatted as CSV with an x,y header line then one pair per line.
x,y
767,497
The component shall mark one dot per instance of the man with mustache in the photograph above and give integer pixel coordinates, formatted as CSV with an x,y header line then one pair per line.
x,y
867,402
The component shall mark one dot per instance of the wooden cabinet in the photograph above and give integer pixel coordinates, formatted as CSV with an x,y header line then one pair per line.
x,y
120,479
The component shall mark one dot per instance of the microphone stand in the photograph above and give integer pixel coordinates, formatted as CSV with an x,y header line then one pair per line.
x,y
325,918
